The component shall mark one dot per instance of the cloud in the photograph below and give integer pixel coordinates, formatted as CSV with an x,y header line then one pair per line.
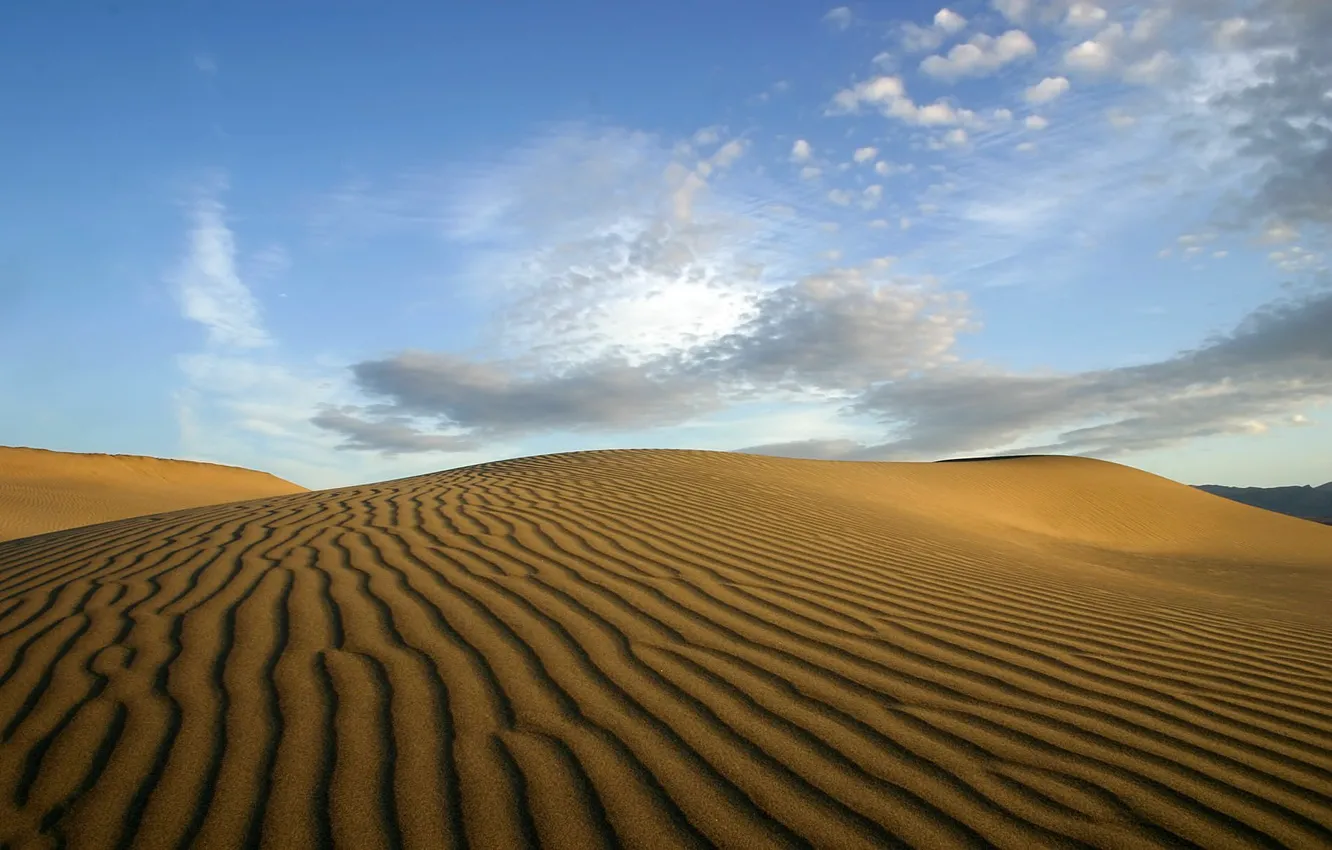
x,y
840,197
843,329
707,136
948,21
888,95
1090,56
954,138
1119,119
838,18
1278,232
917,39
871,196
1046,90
1083,14
1150,70
1230,33
1275,362
879,91
1014,10
982,54
1150,24
1036,122
832,449
1280,112
801,151
887,169
208,287
810,172
836,332
865,154
728,153
483,398
394,436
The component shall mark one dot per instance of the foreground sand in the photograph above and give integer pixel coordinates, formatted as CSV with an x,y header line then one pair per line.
x,y
43,491
677,649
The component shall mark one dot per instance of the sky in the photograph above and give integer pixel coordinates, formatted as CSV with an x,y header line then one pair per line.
x,y
348,241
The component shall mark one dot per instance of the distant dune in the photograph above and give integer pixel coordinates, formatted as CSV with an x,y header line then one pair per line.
x,y
665,649
43,491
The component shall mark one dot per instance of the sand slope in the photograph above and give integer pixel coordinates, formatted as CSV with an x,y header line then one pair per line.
x,y
677,649
42,491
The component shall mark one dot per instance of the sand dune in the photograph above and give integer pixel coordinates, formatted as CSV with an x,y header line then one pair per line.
x,y
43,491
677,649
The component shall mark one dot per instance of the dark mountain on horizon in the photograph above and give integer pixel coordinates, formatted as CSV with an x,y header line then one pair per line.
x,y
1302,501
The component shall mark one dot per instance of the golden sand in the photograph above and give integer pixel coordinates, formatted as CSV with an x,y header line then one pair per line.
x,y
676,649
43,491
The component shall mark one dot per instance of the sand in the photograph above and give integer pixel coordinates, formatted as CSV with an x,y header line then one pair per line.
x,y
676,649
42,491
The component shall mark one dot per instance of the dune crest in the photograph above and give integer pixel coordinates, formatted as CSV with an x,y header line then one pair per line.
x,y
43,491
676,649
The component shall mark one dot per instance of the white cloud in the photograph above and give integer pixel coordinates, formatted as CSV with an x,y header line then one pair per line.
x,y
1095,54
1036,122
888,95
882,91
956,138
935,114
1296,259
1150,70
1024,147
918,39
1088,56
1151,22
949,21
841,197
871,197
981,55
878,224
838,18
1046,90
865,154
1082,14
1278,232
1002,115
707,136
1119,119
810,172
801,151
728,153
1014,10
1230,33
208,286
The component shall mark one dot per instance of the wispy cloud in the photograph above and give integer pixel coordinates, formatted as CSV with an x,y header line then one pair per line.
x,y
839,18
208,287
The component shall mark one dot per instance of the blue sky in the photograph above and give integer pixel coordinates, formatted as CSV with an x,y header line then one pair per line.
x,y
348,242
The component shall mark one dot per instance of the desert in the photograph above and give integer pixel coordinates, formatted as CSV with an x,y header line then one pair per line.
x,y
647,648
